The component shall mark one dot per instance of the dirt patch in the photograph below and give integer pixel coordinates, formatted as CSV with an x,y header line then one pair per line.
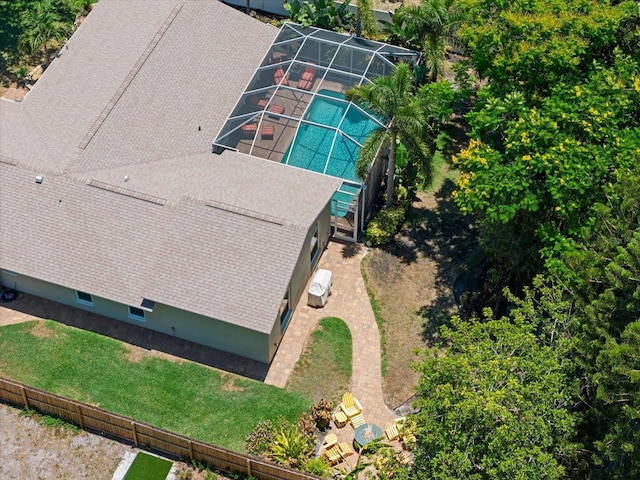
x,y
229,383
41,330
412,280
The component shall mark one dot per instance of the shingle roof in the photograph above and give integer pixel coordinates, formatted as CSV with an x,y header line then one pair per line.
x,y
140,92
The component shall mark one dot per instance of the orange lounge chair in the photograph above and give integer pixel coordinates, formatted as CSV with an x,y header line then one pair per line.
x,y
249,130
262,103
276,109
267,132
279,78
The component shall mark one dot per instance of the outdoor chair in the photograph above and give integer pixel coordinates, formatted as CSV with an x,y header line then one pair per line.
x,y
357,420
279,78
249,130
404,457
350,405
276,109
267,132
391,432
330,440
345,450
332,454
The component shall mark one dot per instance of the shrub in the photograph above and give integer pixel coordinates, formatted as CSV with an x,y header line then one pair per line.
x,y
317,466
321,414
385,224
291,447
259,441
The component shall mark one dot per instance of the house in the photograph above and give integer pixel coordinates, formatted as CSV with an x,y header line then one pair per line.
x,y
110,197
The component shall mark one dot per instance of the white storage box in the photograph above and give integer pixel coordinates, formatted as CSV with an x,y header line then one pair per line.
x,y
320,288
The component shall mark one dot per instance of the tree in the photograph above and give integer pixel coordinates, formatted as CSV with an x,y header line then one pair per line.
x,y
494,397
42,24
366,18
539,169
393,99
430,26
534,45
320,13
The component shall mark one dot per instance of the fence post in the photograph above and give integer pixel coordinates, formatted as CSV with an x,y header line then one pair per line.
x,y
248,467
80,419
24,397
191,450
135,434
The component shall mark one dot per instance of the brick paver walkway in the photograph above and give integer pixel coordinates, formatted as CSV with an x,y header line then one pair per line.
x,y
348,301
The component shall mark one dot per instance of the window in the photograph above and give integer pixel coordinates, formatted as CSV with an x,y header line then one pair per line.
x,y
285,312
315,246
84,298
136,313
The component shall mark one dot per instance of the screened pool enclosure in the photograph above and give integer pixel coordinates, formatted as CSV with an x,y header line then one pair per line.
x,y
294,111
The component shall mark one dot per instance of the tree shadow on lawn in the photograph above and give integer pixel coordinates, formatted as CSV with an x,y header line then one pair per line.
x,y
437,230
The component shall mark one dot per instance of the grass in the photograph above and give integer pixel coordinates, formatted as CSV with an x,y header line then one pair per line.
x,y
148,467
380,322
49,421
324,368
441,168
183,397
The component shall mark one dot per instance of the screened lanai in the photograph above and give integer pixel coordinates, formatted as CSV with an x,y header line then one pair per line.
x,y
294,111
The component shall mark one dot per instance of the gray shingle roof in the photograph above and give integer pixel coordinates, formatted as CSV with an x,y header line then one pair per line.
x,y
126,98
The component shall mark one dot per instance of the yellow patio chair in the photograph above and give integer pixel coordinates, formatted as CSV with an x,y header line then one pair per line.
x,y
391,432
332,454
330,440
345,449
350,405
357,420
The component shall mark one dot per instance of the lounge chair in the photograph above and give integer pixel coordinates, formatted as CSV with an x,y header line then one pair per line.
x,y
279,77
249,130
357,420
267,132
330,440
332,454
391,432
276,109
350,405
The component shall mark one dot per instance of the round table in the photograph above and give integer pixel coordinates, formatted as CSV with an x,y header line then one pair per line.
x,y
367,433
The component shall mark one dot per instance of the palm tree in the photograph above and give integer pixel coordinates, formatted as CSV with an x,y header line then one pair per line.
x,y
392,98
435,24
41,25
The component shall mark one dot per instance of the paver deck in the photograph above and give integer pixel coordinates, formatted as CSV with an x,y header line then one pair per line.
x,y
348,301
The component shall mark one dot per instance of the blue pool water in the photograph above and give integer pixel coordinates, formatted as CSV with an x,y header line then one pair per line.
x,y
310,149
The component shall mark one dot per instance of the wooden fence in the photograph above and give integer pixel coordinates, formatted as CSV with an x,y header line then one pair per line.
x,y
142,435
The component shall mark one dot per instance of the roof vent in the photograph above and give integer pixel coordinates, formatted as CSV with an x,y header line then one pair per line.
x,y
39,179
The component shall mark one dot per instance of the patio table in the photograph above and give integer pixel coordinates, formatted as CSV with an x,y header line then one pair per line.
x,y
367,433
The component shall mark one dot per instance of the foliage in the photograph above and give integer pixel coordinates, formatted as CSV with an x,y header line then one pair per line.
x,y
494,398
318,466
321,414
394,99
49,421
291,447
428,27
321,13
385,224
540,169
41,24
367,18
534,45
259,440
186,398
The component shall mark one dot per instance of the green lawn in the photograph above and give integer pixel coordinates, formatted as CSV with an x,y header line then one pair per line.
x,y
183,397
148,467
324,368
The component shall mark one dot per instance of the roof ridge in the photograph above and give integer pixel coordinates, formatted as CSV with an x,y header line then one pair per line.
x,y
129,193
123,86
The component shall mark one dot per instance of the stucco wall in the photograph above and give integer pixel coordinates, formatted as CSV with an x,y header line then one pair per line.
x,y
186,325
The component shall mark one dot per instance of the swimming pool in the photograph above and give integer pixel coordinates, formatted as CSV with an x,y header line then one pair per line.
x,y
322,149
